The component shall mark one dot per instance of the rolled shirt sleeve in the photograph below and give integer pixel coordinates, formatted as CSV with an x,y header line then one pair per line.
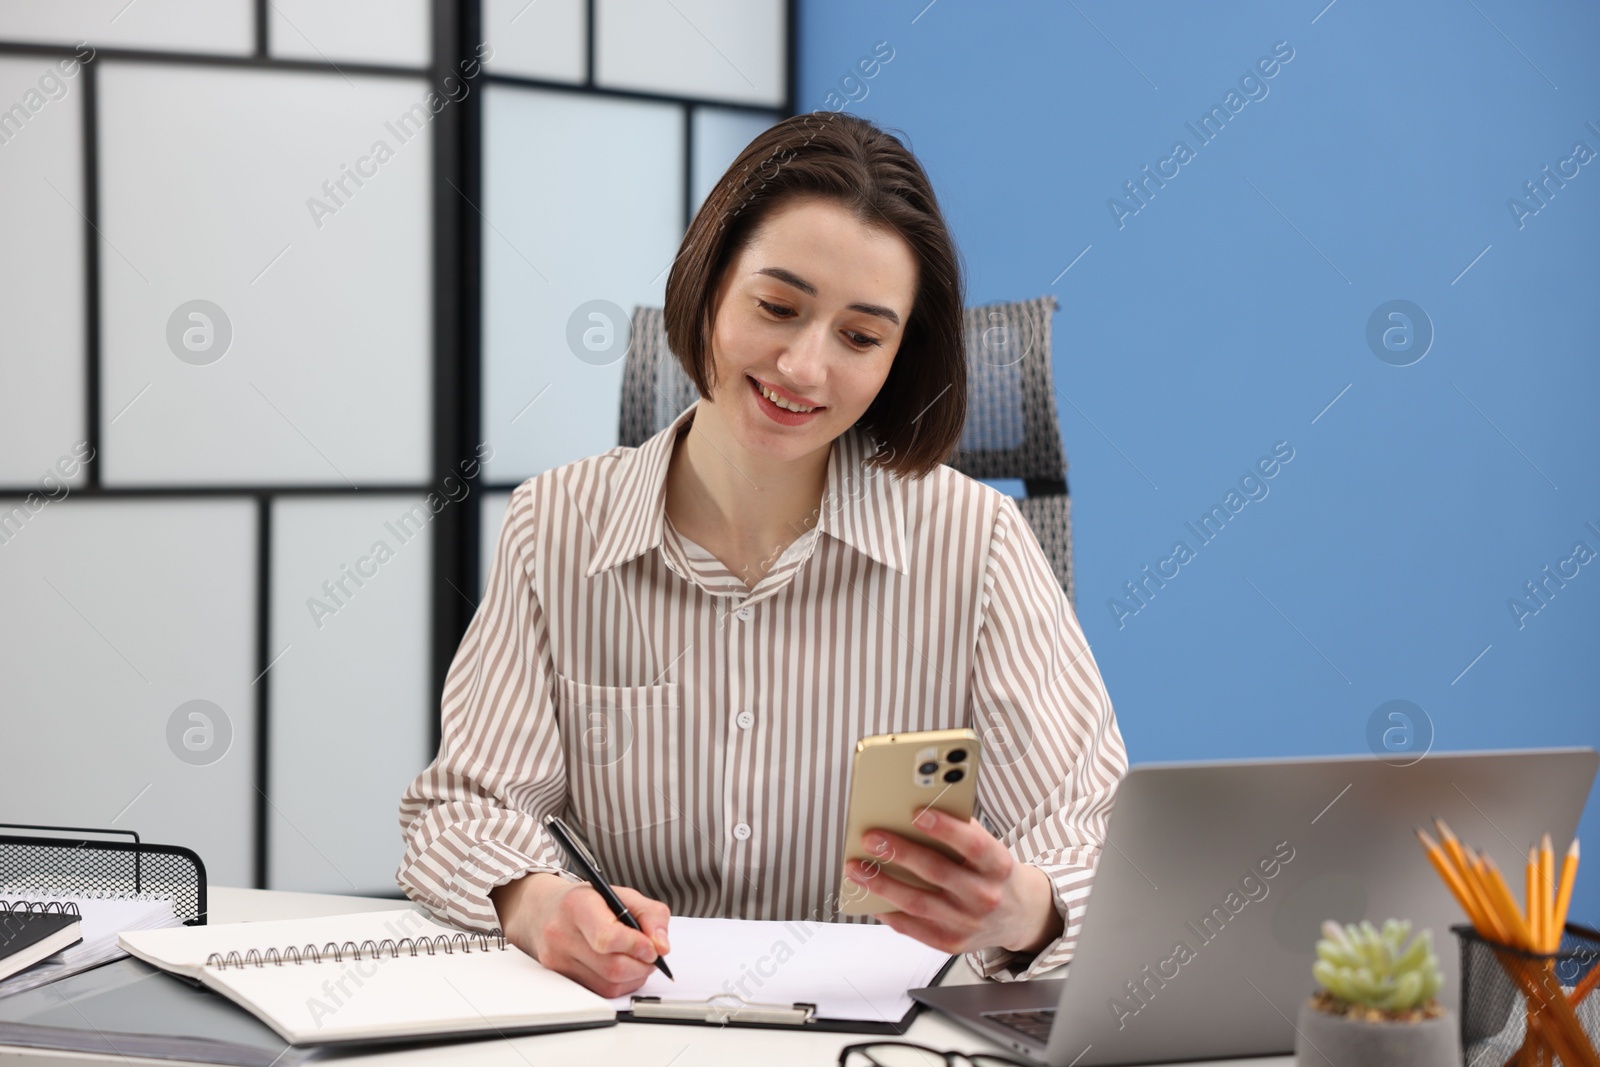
x,y
472,819
1053,754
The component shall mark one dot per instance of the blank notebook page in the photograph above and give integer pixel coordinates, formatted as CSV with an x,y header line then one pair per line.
x,y
850,971
373,996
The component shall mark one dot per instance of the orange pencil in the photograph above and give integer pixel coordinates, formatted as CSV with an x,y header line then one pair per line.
x,y
1497,928
1453,848
1451,843
1547,888
1531,896
1569,874
1453,882
1507,905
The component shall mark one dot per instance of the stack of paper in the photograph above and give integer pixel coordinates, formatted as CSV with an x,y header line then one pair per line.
x,y
103,919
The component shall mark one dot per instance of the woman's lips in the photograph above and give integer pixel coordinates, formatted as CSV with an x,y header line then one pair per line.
x,y
782,416
785,394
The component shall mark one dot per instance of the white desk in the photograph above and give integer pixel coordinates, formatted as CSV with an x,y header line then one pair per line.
x,y
634,1044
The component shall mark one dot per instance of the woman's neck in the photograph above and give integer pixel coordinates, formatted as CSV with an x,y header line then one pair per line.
x,y
733,503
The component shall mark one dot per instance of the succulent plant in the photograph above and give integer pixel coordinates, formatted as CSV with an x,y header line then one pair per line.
x,y
1359,964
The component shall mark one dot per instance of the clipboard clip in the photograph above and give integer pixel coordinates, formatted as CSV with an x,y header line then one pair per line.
x,y
722,1009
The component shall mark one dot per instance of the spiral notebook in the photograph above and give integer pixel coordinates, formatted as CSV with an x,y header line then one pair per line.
x,y
372,976
31,930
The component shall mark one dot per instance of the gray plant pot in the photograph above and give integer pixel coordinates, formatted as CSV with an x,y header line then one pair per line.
x,y
1324,1040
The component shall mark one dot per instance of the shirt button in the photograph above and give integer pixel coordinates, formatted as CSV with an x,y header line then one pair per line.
x,y
745,720
742,831
744,614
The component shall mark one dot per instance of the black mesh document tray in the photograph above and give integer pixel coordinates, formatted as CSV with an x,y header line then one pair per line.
x,y
59,860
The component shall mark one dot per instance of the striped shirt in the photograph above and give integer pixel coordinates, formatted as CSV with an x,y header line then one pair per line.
x,y
700,732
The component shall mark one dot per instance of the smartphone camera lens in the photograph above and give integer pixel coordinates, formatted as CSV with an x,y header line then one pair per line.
x,y
957,755
928,767
954,774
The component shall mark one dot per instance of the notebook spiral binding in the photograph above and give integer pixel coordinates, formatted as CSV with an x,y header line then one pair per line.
x,y
369,949
47,907
109,894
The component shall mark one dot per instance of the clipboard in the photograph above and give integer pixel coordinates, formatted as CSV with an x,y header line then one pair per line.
x,y
731,1009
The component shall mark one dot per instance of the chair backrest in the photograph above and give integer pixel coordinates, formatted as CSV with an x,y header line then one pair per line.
x,y
1011,432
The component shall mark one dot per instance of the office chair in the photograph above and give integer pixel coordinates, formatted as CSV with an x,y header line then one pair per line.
x,y
1011,432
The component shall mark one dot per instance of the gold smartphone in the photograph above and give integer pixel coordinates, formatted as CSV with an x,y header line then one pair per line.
x,y
895,777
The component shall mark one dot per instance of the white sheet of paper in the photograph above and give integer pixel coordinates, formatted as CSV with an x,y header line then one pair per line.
x,y
854,971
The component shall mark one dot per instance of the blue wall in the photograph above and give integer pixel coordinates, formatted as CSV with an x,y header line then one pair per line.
x,y
1232,308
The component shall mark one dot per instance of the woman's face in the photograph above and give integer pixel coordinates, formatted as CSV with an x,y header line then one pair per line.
x,y
813,310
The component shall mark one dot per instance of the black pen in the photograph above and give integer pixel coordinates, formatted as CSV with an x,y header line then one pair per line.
x,y
589,868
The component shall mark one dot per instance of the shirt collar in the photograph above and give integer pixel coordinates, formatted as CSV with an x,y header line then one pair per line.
x,y
862,506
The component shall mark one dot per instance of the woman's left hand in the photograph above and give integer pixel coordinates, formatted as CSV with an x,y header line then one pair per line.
x,y
986,899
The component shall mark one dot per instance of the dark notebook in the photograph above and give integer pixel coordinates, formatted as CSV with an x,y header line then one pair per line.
x,y
29,932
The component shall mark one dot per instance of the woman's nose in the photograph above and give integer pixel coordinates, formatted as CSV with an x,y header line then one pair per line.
x,y
803,362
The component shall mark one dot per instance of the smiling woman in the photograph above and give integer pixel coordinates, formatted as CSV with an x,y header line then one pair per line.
x,y
681,643
858,207
791,365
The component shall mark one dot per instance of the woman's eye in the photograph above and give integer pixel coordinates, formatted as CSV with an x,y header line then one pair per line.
x,y
860,340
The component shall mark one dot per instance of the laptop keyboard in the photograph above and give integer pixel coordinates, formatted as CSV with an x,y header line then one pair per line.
x,y
1034,1023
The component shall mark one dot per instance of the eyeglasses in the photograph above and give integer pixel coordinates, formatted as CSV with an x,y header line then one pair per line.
x,y
901,1054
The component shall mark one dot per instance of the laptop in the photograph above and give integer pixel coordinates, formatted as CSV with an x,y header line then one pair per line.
x,y
1200,931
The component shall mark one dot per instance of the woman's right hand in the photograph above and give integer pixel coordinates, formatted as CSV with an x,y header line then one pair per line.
x,y
567,927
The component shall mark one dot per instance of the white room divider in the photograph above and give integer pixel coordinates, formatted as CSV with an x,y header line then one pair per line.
x,y
276,275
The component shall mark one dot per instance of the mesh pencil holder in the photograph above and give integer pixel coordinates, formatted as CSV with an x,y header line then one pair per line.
x,y
1526,1006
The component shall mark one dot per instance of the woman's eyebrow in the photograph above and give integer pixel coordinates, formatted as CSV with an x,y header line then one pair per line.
x,y
791,278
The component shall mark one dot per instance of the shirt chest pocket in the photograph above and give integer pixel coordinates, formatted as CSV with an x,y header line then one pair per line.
x,y
624,748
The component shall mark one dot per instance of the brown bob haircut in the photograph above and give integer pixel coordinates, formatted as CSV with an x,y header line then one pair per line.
x,y
917,416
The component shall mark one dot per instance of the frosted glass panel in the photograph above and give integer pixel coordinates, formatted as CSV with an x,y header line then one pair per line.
x,y
266,277
601,226
719,136
537,38
118,615
715,49
350,716
393,32
215,26
493,514
41,284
